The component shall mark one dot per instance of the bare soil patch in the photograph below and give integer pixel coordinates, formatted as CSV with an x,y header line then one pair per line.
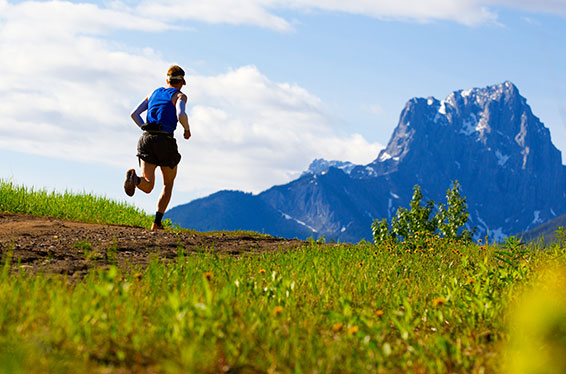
x,y
53,245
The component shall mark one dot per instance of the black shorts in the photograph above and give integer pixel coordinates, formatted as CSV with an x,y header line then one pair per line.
x,y
158,149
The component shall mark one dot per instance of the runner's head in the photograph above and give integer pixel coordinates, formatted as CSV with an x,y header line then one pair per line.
x,y
176,75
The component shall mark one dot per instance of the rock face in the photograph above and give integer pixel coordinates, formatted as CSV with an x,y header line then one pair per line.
x,y
487,138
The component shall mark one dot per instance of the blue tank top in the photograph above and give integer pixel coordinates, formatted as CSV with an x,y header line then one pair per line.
x,y
161,110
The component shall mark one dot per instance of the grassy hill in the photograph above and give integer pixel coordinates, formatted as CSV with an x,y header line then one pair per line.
x,y
80,207
429,307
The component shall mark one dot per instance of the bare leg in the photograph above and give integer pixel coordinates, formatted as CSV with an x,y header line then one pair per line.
x,y
169,175
147,179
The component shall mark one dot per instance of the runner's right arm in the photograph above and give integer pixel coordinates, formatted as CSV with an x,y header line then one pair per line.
x,y
136,114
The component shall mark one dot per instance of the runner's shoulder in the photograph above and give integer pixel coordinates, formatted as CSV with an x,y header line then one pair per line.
x,y
181,96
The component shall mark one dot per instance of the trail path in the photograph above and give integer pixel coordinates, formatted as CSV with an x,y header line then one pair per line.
x,y
57,246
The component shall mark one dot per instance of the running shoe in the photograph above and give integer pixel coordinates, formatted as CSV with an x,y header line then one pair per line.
x,y
155,226
130,183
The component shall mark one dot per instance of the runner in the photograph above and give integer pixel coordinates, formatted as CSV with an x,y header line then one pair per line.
x,y
157,146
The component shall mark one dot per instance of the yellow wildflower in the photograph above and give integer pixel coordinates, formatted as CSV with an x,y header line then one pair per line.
x,y
352,330
438,301
337,327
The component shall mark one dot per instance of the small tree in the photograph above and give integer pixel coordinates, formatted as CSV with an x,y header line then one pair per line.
x,y
452,217
381,232
418,220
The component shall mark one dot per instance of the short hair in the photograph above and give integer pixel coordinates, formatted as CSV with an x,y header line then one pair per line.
x,y
176,71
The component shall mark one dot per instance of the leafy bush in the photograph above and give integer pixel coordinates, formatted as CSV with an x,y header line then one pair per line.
x,y
419,221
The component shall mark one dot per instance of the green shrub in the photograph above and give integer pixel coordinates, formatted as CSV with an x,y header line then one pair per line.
x,y
419,221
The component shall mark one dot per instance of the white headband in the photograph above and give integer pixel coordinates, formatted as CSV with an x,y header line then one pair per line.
x,y
179,77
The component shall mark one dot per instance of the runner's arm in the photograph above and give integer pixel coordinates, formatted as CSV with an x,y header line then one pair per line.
x,y
182,115
136,114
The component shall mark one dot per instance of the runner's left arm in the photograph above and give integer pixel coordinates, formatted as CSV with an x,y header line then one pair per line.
x,y
136,114
182,115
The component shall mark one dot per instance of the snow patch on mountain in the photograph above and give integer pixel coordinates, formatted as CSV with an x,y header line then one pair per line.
x,y
386,156
370,172
442,109
469,125
536,217
298,221
501,158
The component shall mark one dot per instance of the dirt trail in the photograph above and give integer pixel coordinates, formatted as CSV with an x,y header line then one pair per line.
x,y
57,246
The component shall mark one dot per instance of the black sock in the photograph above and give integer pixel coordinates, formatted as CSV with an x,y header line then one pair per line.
x,y
157,220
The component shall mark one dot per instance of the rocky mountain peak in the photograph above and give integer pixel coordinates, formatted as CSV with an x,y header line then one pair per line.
x,y
495,119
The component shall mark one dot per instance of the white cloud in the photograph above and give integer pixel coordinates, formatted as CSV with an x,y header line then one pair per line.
x,y
463,11
263,13
258,132
152,15
250,12
63,90
540,6
68,94
60,19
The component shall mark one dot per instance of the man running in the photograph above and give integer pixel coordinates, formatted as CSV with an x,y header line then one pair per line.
x,y
157,146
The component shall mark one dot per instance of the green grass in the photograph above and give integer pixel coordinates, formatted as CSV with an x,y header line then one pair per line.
x,y
439,308
71,206
317,309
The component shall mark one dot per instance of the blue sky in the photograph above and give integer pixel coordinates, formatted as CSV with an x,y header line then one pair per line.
x,y
272,84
